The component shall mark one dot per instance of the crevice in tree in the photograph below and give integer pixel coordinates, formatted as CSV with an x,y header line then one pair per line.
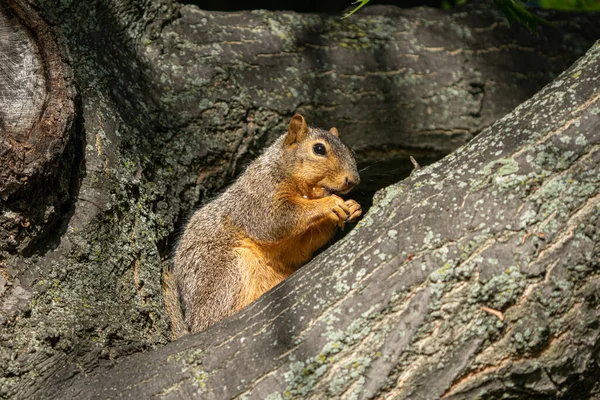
x,y
74,162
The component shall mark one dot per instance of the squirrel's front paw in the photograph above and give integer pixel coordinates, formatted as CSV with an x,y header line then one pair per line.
x,y
340,210
354,210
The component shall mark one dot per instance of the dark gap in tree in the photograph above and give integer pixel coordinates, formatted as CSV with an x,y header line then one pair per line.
x,y
310,6
376,175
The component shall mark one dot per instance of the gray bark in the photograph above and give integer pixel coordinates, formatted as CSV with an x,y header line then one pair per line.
x,y
174,100
510,222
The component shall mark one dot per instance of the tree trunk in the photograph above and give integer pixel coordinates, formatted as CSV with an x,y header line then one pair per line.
x,y
173,100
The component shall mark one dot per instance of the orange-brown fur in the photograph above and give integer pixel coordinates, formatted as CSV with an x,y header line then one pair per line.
x,y
270,263
266,225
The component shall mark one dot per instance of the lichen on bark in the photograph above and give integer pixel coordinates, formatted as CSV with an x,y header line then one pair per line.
x,y
398,307
173,102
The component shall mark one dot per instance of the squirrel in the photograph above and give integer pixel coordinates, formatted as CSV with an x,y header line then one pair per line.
x,y
262,228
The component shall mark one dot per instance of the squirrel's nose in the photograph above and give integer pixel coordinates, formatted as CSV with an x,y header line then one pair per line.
x,y
352,181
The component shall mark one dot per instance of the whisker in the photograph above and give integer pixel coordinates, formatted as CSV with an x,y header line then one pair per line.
x,y
369,166
364,169
381,174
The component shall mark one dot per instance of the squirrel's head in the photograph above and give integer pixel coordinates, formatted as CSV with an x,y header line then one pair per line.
x,y
322,163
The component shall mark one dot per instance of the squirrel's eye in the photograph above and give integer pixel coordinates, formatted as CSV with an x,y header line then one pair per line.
x,y
319,148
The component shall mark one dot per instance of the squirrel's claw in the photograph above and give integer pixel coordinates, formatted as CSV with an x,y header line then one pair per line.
x,y
354,210
340,210
341,214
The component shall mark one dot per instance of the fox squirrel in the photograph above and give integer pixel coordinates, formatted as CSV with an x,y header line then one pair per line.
x,y
263,227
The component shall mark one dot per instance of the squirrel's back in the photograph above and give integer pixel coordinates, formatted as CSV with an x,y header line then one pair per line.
x,y
207,275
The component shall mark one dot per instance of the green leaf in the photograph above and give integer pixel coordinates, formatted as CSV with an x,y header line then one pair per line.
x,y
358,7
448,4
516,12
571,5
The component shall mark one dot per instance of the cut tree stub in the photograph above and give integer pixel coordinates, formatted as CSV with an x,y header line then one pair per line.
x,y
36,107
23,84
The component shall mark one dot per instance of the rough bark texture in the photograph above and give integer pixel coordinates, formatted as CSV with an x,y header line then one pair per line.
x,y
174,100
510,222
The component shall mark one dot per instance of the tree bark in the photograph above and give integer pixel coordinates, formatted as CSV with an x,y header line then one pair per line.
x,y
477,276
173,100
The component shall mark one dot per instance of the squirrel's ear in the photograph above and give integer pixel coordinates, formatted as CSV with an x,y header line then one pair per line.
x,y
334,132
297,130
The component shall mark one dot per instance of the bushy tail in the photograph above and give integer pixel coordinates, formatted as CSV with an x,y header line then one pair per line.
x,y
173,306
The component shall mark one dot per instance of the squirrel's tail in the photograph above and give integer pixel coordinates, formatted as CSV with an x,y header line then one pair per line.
x,y
173,306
